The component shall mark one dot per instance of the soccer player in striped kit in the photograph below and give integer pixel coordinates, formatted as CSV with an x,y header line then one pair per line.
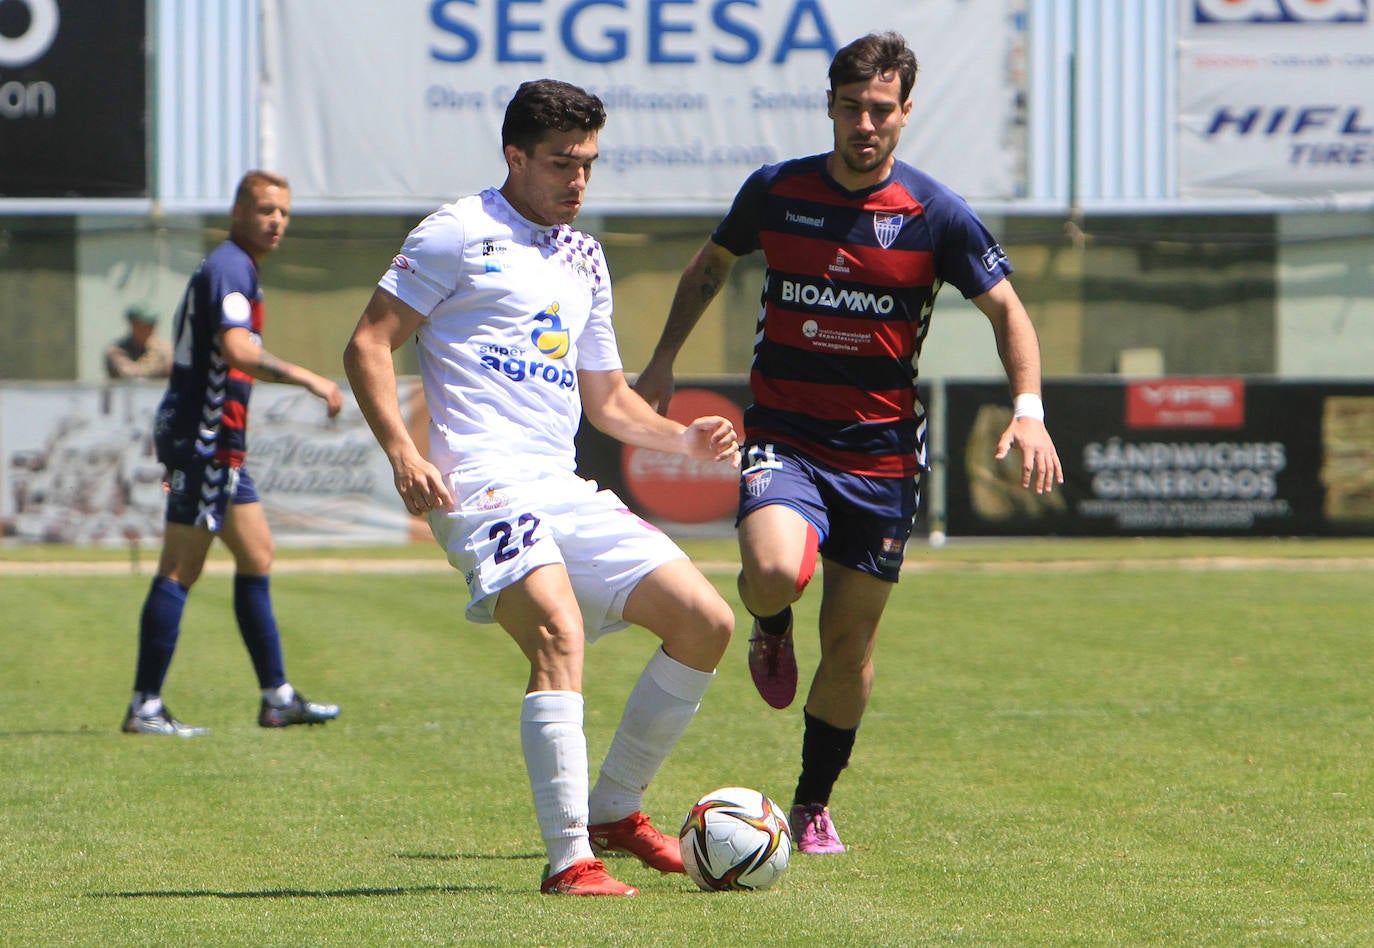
x,y
201,433
857,245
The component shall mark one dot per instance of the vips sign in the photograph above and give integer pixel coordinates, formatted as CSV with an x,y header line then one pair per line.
x,y
72,102
1171,457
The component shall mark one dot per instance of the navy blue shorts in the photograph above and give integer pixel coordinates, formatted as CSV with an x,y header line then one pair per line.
x,y
200,492
863,522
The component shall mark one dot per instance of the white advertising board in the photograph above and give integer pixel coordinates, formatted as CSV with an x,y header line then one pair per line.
x,y
1276,100
400,104
77,466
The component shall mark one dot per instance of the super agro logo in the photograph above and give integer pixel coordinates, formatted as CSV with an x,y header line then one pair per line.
x,y
553,341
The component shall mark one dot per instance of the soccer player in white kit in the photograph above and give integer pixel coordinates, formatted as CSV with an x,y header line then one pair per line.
x,y
510,309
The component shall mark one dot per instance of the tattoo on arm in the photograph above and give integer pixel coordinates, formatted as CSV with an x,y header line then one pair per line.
x,y
271,366
711,282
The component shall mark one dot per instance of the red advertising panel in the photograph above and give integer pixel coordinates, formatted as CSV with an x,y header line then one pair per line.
x,y
1185,403
677,488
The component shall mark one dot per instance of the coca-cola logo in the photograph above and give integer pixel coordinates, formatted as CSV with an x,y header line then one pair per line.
x,y
675,487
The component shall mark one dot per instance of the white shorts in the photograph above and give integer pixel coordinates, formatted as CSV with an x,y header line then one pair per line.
x,y
501,533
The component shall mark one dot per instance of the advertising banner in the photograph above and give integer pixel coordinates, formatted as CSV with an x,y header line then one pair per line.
x,y
77,466
401,103
1171,457
672,490
1276,99
72,98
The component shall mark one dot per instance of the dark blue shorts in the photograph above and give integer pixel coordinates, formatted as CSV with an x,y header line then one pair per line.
x,y
200,492
863,522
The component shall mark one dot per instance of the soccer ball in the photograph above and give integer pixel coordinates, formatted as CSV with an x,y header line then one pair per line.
x,y
735,838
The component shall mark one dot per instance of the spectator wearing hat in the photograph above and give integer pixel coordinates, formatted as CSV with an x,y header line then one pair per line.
x,y
140,353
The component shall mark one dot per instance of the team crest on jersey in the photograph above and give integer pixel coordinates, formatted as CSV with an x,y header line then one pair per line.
x,y
886,227
553,341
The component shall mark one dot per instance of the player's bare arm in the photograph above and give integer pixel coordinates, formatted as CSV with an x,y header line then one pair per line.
x,y
384,326
1019,349
614,408
699,284
241,352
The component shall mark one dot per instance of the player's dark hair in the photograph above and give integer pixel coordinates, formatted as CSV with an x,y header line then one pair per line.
x,y
541,106
877,54
251,181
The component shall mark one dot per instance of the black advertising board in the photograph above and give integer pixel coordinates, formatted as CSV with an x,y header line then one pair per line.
x,y
73,105
1170,457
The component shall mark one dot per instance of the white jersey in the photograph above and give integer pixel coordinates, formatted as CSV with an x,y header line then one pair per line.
x,y
513,311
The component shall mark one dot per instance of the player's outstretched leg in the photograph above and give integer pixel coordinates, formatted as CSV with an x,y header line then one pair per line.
x,y
636,836
773,660
159,628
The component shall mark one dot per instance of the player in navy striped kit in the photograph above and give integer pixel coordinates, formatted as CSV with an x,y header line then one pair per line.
x,y
201,438
857,245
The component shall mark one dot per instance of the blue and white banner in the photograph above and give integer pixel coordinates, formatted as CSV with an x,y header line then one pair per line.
x,y
1276,100
400,104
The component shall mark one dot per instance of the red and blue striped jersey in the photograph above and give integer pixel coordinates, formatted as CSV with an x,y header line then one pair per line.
x,y
851,280
206,405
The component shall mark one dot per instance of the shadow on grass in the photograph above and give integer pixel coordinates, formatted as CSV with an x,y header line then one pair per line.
x,y
82,732
296,893
443,857
334,893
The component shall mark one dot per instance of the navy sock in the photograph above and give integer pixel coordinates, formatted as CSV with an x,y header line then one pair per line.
x,y
257,625
159,625
825,752
775,625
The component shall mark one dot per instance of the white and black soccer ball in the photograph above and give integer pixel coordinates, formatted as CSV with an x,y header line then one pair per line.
x,y
735,838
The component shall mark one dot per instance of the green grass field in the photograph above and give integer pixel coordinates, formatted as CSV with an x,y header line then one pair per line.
x,y
1058,751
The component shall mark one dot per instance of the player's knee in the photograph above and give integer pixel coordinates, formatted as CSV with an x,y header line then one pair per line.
x,y
769,588
718,625
561,639
765,591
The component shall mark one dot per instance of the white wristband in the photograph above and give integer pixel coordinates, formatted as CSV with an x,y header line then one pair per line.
x,y
1027,405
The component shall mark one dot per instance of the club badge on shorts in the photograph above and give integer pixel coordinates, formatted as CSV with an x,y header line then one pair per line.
x,y
756,482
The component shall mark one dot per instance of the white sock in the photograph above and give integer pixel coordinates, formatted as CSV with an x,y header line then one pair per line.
x,y
280,696
556,758
659,708
145,705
